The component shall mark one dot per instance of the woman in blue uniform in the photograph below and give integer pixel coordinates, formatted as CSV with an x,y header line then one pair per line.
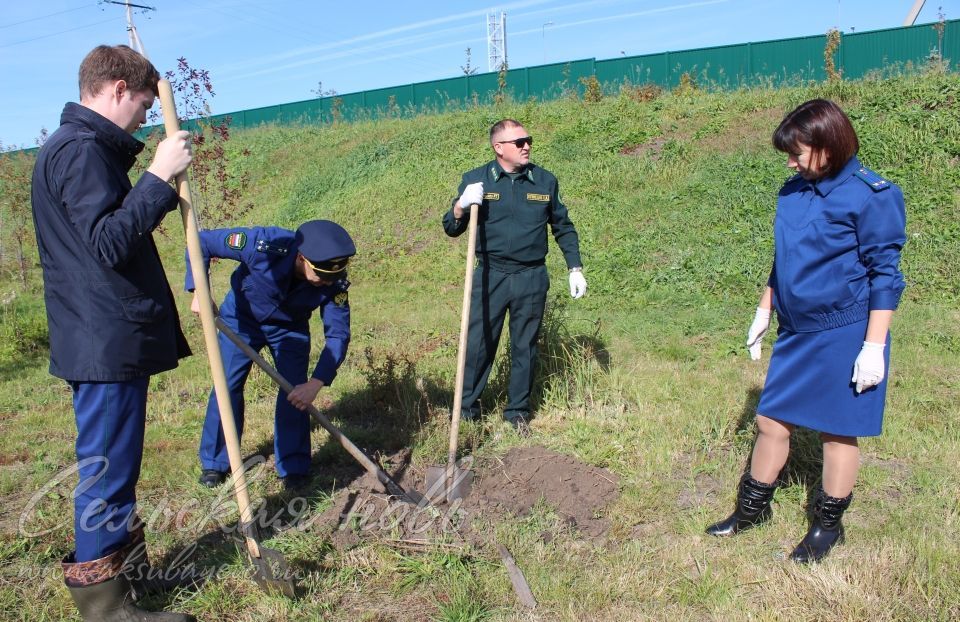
x,y
835,284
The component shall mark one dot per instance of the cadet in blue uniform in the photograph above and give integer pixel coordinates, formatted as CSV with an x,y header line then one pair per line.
x,y
282,278
111,315
835,284
518,200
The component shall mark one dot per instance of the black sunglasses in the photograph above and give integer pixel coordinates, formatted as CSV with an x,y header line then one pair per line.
x,y
518,142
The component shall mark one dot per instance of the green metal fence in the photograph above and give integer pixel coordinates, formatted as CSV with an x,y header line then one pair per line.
x,y
779,62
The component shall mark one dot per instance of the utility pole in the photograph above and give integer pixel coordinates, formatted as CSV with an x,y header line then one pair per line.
x,y
912,15
135,41
496,41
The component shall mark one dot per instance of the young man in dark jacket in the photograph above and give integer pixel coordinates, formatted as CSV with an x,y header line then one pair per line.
x,y
110,311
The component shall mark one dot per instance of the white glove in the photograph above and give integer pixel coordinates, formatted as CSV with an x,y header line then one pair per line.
x,y
578,284
761,322
472,195
869,367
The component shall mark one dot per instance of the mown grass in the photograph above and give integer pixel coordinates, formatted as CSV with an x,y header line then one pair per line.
x,y
646,376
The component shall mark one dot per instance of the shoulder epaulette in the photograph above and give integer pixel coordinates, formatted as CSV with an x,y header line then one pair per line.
x,y
273,248
870,178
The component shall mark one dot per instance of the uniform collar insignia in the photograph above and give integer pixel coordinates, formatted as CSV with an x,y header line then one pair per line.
x,y
496,171
826,186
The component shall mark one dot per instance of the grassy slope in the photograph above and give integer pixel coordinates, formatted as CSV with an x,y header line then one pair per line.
x,y
646,376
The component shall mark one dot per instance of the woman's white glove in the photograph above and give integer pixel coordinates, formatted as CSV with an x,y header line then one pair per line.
x,y
869,368
761,322
472,195
578,284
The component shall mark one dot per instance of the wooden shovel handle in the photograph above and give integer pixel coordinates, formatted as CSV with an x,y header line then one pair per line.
x,y
172,125
462,348
371,467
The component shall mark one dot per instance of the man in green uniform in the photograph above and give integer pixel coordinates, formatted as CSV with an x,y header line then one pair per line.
x,y
517,200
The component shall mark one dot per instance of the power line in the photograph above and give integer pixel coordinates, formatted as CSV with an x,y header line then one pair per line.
x,y
33,19
237,14
129,4
336,49
283,24
135,41
54,34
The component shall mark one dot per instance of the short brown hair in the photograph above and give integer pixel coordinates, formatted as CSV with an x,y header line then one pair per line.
x,y
821,125
501,125
119,62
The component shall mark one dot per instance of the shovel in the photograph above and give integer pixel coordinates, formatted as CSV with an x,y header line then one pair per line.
x,y
270,569
388,482
450,481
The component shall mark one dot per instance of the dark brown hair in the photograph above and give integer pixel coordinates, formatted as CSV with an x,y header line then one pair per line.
x,y
110,63
501,125
821,125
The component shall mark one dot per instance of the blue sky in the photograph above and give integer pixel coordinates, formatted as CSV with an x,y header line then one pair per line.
x,y
262,53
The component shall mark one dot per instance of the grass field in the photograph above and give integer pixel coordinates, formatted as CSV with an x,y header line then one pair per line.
x,y
646,376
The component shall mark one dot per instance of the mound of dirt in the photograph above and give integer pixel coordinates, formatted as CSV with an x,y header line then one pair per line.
x,y
519,480
508,486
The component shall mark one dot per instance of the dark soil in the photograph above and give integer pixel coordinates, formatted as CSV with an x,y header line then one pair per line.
x,y
515,483
503,487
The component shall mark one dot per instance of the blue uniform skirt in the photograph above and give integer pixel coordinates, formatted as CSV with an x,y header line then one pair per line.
x,y
808,383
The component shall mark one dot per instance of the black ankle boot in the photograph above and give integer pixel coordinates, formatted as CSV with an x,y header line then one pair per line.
x,y
146,579
102,593
825,531
753,508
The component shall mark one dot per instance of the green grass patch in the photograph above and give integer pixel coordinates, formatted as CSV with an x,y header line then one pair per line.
x,y
673,197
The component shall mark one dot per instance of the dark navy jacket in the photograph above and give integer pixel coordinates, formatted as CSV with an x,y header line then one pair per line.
x,y
110,311
512,224
267,291
837,254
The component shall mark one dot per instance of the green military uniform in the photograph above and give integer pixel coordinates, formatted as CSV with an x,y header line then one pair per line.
x,y
510,274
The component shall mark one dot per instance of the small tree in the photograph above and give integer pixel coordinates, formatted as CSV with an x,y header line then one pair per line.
x,y
687,86
467,69
15,178
336,110
936,55
320,93
217,188
829,51
592,92
501,95
393,109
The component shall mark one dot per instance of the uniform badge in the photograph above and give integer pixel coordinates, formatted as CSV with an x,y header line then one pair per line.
x,y
341,299
491,196
543,198
237,240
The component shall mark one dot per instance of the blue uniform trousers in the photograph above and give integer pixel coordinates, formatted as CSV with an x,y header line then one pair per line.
x,y
290,346
110,422
524,295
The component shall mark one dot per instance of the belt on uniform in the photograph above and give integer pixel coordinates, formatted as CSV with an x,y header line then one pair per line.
x,y
508,266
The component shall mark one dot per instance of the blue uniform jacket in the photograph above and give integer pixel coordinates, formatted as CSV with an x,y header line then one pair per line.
x,y
267,291
110,310
837,249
